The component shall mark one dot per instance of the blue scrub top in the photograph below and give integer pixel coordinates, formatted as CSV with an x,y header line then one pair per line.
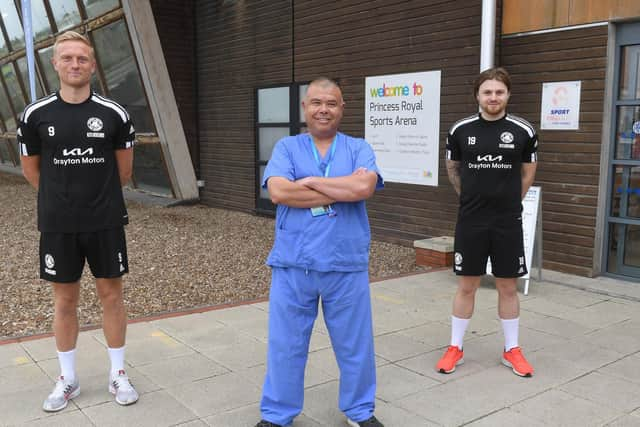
x,y
322,243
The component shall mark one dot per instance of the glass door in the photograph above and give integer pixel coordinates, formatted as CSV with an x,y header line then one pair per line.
x,y
623,230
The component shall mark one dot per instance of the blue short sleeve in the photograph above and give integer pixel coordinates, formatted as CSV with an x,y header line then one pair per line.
x,y
280,163
367,159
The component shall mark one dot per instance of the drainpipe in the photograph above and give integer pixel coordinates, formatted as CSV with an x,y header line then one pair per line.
x,y
488,35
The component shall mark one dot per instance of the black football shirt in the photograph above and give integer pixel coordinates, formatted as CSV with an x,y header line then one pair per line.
x,y
491,154
80,187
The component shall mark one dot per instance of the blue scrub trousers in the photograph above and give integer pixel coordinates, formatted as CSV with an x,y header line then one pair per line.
x,y
293,308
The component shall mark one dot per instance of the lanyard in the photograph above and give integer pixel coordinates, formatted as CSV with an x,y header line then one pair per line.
x,y
331,154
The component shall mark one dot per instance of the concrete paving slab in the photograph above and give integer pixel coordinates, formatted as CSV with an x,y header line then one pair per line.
x,y
582,352
391,415
23,377
247,352
600,315
215,395
395,382
14,355
181,370
158,347
564,328
506,418
433,335
312,375
396,346
625,421
194,423
157,409
626,368
555,407
66,418
88,363
25,404
623,337
605,390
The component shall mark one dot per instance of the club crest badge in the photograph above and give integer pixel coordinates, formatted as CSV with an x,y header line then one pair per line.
x,y
94,124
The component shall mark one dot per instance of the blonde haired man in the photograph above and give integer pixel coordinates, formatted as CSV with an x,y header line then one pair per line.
x,y
76,149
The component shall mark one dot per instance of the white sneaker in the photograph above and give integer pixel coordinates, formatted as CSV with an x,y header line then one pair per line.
x,y
62,392
121,387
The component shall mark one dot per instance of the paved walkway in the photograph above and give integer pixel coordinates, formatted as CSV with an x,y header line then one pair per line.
x,y
207,368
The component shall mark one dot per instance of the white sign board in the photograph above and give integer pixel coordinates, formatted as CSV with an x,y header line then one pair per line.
x,y
402,125
560,106
530,206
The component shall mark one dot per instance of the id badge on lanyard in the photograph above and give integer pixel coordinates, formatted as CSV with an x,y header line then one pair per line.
x,y
325,209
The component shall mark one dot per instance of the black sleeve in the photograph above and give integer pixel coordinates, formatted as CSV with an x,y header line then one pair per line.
x,y
28,137
453,148
530,152
126,136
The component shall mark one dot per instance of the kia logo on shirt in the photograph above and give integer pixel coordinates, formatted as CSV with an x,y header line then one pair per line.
x,y
489,158
77,152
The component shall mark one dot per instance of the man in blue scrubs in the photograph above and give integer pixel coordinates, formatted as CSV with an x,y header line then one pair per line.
x,y
319,182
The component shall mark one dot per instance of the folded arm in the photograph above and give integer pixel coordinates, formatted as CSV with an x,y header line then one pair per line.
x,y
294,194
528,175
351,188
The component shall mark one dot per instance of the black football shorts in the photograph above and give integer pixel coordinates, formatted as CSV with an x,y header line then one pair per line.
x,y
498,238
62,255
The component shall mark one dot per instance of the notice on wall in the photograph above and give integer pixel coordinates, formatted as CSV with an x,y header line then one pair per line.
x,y
402,120
560,106
530,207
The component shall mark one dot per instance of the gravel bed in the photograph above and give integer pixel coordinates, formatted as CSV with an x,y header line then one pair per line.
x,y
180,258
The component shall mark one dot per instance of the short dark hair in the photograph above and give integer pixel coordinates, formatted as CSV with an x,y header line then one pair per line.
x,y
497,73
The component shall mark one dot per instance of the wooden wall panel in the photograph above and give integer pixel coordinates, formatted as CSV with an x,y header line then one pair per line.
x,y
526,15
569,160
175,23
241,45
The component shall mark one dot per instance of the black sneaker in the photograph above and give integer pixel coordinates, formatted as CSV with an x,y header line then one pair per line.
x,y
371,422
264,423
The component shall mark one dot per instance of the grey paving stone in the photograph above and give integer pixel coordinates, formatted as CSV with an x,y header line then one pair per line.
x,y
194,423
157,409
506,418
89,362
215,395
600,315
605,390
625,421
321,404
623,337
559,408
313,375
158,347
249,416
67,418
13,355
391,415
433,335
182,369
626,368
554,325
22,377
247,352
396,346
395,382
583,352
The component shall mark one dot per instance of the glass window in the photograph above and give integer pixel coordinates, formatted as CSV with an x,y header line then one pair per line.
x,y
628,133
98,7
24,72
267,140
264,194
65,13
630,72
40,21
15,92
123,81
273,105
12,23
48,72
5,111
148,169
303,93
625,200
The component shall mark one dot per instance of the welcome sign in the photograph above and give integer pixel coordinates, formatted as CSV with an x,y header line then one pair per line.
x,y
402,125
